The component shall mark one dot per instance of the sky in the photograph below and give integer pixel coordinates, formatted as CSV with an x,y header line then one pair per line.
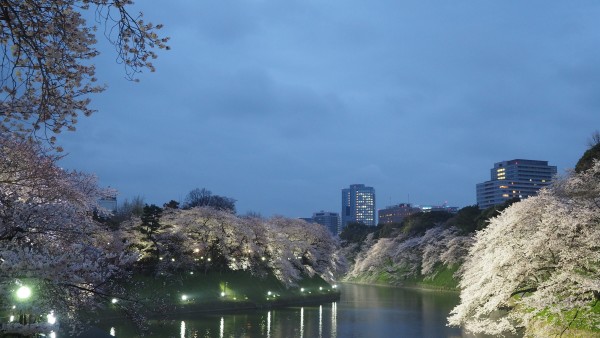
x,y
281,104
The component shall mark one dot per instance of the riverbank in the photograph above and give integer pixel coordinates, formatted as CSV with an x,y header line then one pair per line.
x,y
216,291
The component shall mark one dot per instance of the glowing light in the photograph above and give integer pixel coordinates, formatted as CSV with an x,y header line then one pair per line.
x,y
301,289
114,301
269,293
191,272
172,259
51,318
184,297
182,331
113,332
11,318
262,258
196,250
320,288
222,294
52,334
334,286
208,259
23,292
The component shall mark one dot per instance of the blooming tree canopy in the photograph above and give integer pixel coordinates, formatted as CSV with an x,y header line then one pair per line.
x,y
49,240
539,258
45,48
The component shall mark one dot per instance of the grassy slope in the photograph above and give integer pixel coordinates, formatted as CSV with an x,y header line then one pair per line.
x,y
441,279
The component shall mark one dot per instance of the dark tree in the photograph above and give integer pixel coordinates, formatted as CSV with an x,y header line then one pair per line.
x,y
420,222
150,226
466,219
205,198
172,204
593,153
493,211
356,232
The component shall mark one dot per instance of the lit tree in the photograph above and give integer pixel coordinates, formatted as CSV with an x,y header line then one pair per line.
x,y
538,259
49,240
45,48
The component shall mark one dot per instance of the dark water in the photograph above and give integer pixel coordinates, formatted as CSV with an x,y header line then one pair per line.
x,y
363,311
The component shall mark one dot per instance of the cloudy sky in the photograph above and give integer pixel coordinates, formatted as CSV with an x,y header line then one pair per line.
x,y
282,103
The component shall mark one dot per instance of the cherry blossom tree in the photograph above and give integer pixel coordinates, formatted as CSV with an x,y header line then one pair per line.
x,y
46,77
205,238
535,261
409,256
49,240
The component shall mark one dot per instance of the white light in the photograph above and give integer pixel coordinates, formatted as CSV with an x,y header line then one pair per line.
x,y
301,289
222,294
184,297
196,250
208,259
11,318
191,272
52,334
334,286
320,288
262,258
113,332
172,259
51,318
24,292
269,293
114,301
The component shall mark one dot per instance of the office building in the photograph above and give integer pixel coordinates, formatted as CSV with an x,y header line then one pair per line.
x,y
330,220
358,205
514,179
396,213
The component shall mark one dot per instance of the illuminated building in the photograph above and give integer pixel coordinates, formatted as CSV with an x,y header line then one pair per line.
x,y
358,205
514,179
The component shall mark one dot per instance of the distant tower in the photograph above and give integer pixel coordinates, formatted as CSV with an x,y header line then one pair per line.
x,y
514,179
358,205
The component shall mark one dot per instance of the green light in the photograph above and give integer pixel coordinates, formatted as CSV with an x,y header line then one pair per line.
x,y
23,292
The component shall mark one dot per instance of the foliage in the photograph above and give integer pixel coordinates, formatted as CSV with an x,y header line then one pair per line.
x,y
418,223
538,257
493,211
466,219
587,160
205,198
49,240
45,47
355,232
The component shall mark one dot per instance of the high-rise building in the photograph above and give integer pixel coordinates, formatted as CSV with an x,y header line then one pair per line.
x,y
514,179
330,220
358,205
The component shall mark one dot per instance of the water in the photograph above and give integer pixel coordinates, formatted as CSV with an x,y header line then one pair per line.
x,y
363,311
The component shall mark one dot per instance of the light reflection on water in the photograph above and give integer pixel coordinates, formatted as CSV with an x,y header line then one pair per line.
x,y
363,311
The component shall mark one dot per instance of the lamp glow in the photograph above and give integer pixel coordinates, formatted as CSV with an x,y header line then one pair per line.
x,y
51,318
23,292
184,297
114,301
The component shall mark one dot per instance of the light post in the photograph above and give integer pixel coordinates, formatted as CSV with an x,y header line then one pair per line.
x,y
23,294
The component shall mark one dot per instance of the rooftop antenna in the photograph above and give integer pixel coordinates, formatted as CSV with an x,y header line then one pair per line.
x,y
408,197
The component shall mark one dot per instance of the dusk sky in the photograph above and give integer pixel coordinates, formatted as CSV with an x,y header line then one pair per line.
x,y
282,103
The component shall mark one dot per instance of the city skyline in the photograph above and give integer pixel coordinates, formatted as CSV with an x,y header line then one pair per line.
x,y
281,105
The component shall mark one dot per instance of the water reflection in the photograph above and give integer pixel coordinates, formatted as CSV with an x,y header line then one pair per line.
x,y
363,311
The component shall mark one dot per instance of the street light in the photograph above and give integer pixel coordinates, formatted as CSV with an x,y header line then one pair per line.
x,y
24,292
